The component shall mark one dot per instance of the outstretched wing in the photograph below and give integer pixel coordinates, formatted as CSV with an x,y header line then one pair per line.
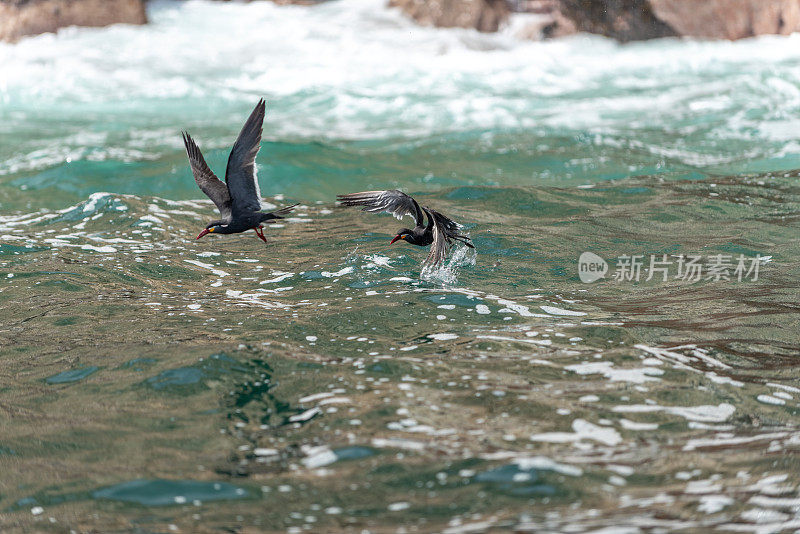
x,y
445,231
207,180
392,201
440,245
241,172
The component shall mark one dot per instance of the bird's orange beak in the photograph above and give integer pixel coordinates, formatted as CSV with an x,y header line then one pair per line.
x,y
398,236
204,232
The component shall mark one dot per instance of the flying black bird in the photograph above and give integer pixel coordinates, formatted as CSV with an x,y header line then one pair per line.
x,y
239,198
440,231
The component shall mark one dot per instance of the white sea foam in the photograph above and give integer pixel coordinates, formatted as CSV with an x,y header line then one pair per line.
x,y
533,462
398,443
318,457
305,416
721,441
443,337
99,249
705,413
340,272
711,504
552,310
769,399
279,277
543,342
208,266
582,431
633,425
94,198
607,369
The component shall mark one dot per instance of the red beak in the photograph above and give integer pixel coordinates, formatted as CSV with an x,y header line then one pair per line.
x,y
204,232
395,238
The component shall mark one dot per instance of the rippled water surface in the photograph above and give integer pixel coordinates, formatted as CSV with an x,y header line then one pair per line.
x,y
321,382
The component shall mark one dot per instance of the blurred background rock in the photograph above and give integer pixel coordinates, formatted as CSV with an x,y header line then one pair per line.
x,y
624,20
32,17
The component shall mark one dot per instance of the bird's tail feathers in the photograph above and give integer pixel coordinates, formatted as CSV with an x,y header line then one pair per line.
x,y
451,229
463,239
278,214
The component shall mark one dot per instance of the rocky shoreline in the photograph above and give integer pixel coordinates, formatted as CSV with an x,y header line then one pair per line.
x,y
19,18
623,20
482,15
633,20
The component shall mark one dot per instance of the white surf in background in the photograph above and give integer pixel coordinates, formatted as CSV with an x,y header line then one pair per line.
x,y
355,70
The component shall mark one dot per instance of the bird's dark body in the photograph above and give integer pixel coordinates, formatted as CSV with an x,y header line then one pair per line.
x,y
439,231
243,222
238,199
422,236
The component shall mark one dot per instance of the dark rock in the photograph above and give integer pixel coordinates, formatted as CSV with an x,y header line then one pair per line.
x,y
286,2
548,21
32,17
632,20
624,20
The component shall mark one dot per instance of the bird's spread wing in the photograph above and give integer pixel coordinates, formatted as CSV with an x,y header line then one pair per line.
x,y
392,201
241,172
440,245
445,231
207,180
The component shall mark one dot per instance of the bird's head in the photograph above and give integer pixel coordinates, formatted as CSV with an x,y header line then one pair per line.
x,y
402,234
210,229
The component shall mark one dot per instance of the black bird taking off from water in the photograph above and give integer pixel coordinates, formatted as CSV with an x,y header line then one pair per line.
x,y
239,198
440,231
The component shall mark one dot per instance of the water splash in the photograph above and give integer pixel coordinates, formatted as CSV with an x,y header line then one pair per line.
x,y
446,274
